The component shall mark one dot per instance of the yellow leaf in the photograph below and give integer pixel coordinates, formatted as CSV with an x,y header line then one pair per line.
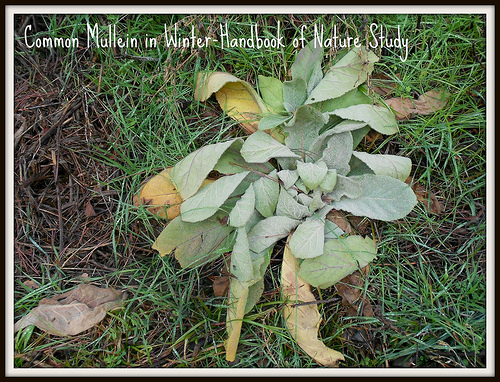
x,y
236,97
238,295
161,197
303,320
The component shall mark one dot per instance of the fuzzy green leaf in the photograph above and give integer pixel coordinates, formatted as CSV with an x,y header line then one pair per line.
x,y
312,174
332,230
338,152
209,198
346,186
268,231
190,172
288,206
241,261
270,121
271,90
288,177
307,65
347,74
231,162
379,118
308,239
243,209
382,198
328,184
260,147
192,243
316,201
341,257
352,97
266,194
304,129
294,93
384,164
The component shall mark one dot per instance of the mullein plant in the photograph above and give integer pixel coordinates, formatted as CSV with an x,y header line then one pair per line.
x,y
298,163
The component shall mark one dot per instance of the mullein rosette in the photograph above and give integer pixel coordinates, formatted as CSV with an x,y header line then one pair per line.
x,y
281,181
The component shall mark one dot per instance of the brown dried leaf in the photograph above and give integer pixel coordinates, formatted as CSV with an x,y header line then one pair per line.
x,y
303,320
220,285
383,84
427,198
426,104
432,101
350,288
340,220
89,210
403,107
31,284
72,312
360,224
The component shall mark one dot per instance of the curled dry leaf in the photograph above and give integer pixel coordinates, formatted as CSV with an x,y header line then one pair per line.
x,y
350,288
72,312
89,210
427,198
340,220
382,84
426,104
303,320
236,97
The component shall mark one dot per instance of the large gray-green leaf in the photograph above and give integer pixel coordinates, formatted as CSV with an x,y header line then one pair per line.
x,y
190,172
316,201
312,174
294,93
307,65
209,198
346,186
341,257
288,177
266,194
260,261
271,90
270,121
303,129
260,147
338,152
328,184
350,72
308,239
378,117
352,97
231,162
192,243
243,209
384,164
319,144
241,261
288,206
268,231
382,197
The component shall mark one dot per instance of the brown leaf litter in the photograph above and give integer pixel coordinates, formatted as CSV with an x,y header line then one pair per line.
x,y
72,312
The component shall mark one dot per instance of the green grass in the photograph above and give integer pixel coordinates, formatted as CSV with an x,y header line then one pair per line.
x,y
427,284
